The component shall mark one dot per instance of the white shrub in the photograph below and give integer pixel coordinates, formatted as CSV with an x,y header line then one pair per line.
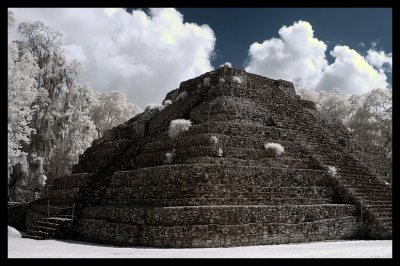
x,y
220,152
167,102
206,81
237,79
226,64
154,106
276,147
178,126
169,156
182,96
42,179
332,170
214,140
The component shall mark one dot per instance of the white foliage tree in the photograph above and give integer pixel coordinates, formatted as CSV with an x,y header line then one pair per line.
x,y
22,70
52,119
41,85
111,109
75,130
21,93
370,119
367,116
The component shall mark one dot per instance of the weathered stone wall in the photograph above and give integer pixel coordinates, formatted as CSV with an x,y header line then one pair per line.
x,y
212,226
196,184
68,190
16,215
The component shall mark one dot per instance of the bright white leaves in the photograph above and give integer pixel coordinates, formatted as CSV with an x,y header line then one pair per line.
x,y
220,152
332,171
21,94
214,140
178,126
226,64
276,148
237,79
111,109
181,96
368,116
142,54
170,156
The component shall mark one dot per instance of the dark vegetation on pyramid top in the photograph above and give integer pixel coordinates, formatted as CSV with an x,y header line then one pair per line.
x,y
229,159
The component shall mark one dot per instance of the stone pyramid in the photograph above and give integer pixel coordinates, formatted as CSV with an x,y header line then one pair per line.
x,y
223,187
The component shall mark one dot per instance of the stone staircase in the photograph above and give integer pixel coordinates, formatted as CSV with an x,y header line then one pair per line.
x,y
368,191
50,228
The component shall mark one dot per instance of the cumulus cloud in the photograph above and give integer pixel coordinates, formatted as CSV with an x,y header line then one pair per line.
x,y
351,73
298,56
379,58
143,55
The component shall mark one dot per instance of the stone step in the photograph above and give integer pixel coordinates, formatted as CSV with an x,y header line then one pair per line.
x,y
208,226
120,143
352,184
195,174
117,197
183,215
44,228
361,182
43,234
218,214
256,143
251,234
33,237
371,197
238,129
182,154
380,207
56,220
71,181
376,191
385,218
281,162
355,172
68,216
381,213
373,202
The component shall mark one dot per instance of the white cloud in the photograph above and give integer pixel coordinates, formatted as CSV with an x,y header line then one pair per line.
x,y
75,52
300,57
143,55
379,58
351,73
296,56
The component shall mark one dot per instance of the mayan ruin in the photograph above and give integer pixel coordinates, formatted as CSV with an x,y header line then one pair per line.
x,y
252,164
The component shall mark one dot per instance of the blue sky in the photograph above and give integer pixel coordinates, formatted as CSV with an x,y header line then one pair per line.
x,y
148,52
237,28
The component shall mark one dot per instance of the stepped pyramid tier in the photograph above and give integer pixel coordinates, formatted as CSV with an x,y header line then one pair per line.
x,y
223,187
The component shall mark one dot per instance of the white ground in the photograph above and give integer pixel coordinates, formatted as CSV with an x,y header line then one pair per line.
x,y
28,248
